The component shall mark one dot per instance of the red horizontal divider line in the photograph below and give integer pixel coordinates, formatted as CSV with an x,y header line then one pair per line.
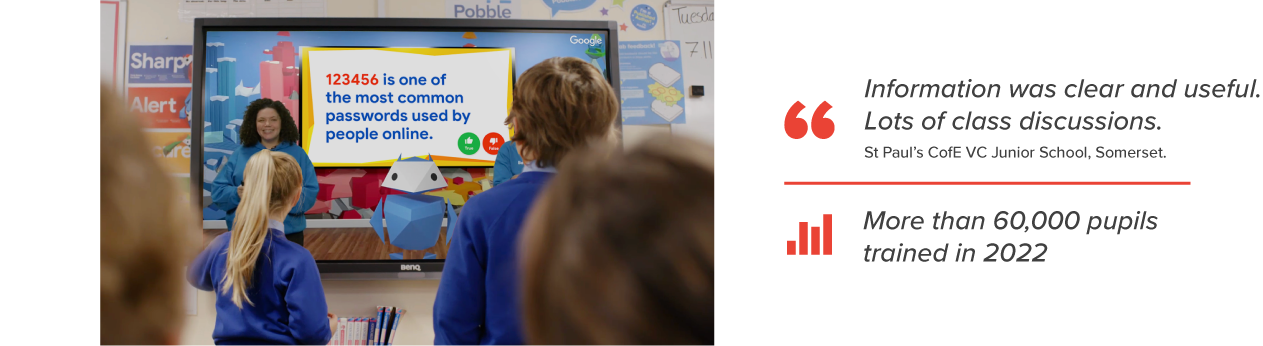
x,y
988,183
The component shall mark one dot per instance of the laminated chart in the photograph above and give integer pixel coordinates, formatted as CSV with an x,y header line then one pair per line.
x,y
652,82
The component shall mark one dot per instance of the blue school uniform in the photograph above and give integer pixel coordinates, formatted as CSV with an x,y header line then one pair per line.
x,y
289,301
225,195
477,301
508,164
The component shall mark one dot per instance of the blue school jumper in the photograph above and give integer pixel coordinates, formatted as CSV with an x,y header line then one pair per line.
x,y
477,301
289,301
226,183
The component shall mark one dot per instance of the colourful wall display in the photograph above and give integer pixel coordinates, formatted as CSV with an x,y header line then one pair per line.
x,y
166,64
160,107
652,82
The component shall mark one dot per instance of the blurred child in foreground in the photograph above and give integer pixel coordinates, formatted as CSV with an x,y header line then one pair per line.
x,y
620,249
147,236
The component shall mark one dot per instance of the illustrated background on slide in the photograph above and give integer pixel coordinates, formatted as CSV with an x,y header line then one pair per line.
x,y
424,101
243,66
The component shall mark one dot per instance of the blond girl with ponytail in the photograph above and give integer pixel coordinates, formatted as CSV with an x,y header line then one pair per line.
x,y
268,289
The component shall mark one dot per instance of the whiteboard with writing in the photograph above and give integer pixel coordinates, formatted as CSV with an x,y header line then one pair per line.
x,y
694,26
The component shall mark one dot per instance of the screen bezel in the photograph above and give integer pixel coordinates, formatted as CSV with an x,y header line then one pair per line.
x,y
202,25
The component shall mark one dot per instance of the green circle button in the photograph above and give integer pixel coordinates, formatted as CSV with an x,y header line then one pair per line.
x,y
468,143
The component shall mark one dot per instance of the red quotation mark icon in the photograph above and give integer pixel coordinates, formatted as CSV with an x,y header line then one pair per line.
x,y
796,127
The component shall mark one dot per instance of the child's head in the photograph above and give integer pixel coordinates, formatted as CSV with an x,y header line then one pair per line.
x,y
273,185
147,236
620,249
558,105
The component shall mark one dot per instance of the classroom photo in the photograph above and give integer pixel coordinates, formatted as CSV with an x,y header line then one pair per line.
x,y
360,172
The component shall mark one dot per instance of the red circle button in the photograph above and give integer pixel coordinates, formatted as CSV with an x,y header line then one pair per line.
x,y
491,143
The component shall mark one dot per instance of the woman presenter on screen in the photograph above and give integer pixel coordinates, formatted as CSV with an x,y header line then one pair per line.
x,y
267,126
508,164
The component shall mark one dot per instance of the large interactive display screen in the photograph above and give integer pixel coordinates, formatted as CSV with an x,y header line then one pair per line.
x,y
369,98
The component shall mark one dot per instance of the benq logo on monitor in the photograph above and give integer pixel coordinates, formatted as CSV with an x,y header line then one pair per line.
x,y
594,41
412,267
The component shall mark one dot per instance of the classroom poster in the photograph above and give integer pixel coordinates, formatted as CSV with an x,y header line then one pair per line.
x,y
160,107
652,82
166,64
172,149
483,9
159,87
643,17
556,6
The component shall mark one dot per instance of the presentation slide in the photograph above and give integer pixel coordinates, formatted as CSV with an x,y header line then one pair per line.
x,y
367,107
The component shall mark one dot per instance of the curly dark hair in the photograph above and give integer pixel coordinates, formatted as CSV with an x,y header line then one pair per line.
x,y
250,134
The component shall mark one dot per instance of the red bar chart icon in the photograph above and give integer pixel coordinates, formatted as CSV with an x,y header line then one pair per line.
x,y
803,243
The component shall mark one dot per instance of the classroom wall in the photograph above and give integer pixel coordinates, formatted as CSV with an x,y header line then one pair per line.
x,y
156,22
